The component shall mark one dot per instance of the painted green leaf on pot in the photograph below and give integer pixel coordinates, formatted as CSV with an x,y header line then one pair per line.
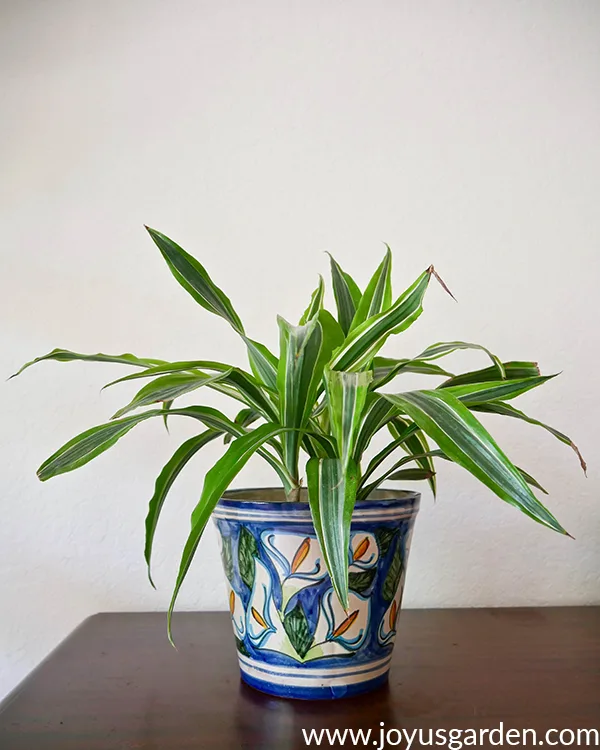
x,y
385,537
241,647
361,582
296,626
227,557
247,551
392,579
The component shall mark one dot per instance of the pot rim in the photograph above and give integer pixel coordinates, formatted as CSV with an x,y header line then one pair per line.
x,y
275,496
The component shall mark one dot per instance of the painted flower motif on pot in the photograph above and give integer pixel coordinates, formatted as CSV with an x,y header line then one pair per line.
x,y
263,622
364,552
340,633
297,560
238,616
393,587
387,627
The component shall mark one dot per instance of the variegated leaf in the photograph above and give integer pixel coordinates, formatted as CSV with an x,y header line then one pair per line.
x,y
466,441
331,495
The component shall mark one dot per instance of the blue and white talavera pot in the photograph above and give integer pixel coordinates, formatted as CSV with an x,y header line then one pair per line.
x,y
293,637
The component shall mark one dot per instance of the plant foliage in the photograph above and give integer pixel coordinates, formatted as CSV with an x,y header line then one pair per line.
x,y
312,410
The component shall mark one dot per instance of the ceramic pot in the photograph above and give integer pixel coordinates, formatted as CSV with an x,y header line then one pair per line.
x,y
293,637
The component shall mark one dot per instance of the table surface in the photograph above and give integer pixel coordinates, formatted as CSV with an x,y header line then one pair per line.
x,y
115,682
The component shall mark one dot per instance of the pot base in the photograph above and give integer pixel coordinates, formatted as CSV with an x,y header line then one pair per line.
x,y
329,692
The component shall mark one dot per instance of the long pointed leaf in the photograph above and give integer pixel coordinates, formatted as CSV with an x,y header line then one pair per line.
x,y
316,303
263,363
386,452
331,495
347,295
415,443
376,414
385,369
392,473
363,343
194,278
235,382
507,410
217,480
346,396
378,294
89,444
65,355
167,388
441,349
165,481
512,370
304,353
466,441
495,390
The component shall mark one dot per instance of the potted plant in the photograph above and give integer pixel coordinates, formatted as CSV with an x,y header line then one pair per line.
x,y
316,574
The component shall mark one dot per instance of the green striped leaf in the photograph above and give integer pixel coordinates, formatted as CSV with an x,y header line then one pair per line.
x,y
363,343
466,441
346,396
216,481
513,371
377,413
378,294
526,476
331,495
394,473
495,390
531,480
165,481
64,355
387,451
91,443
235,382
507,410
245,417
167,368
347,295
263,363
316,303
443,348
167,388
304,351
385,369
194,278
415,443
410,475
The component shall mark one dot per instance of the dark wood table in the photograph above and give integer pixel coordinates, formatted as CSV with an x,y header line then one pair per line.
x,y
116,683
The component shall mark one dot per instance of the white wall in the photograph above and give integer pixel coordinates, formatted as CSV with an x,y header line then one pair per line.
x,y
258,135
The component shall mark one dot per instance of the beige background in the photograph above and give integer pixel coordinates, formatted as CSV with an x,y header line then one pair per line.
x,y
258,135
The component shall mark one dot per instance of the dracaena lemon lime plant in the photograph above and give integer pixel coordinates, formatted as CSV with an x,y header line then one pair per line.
x,y
312,410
